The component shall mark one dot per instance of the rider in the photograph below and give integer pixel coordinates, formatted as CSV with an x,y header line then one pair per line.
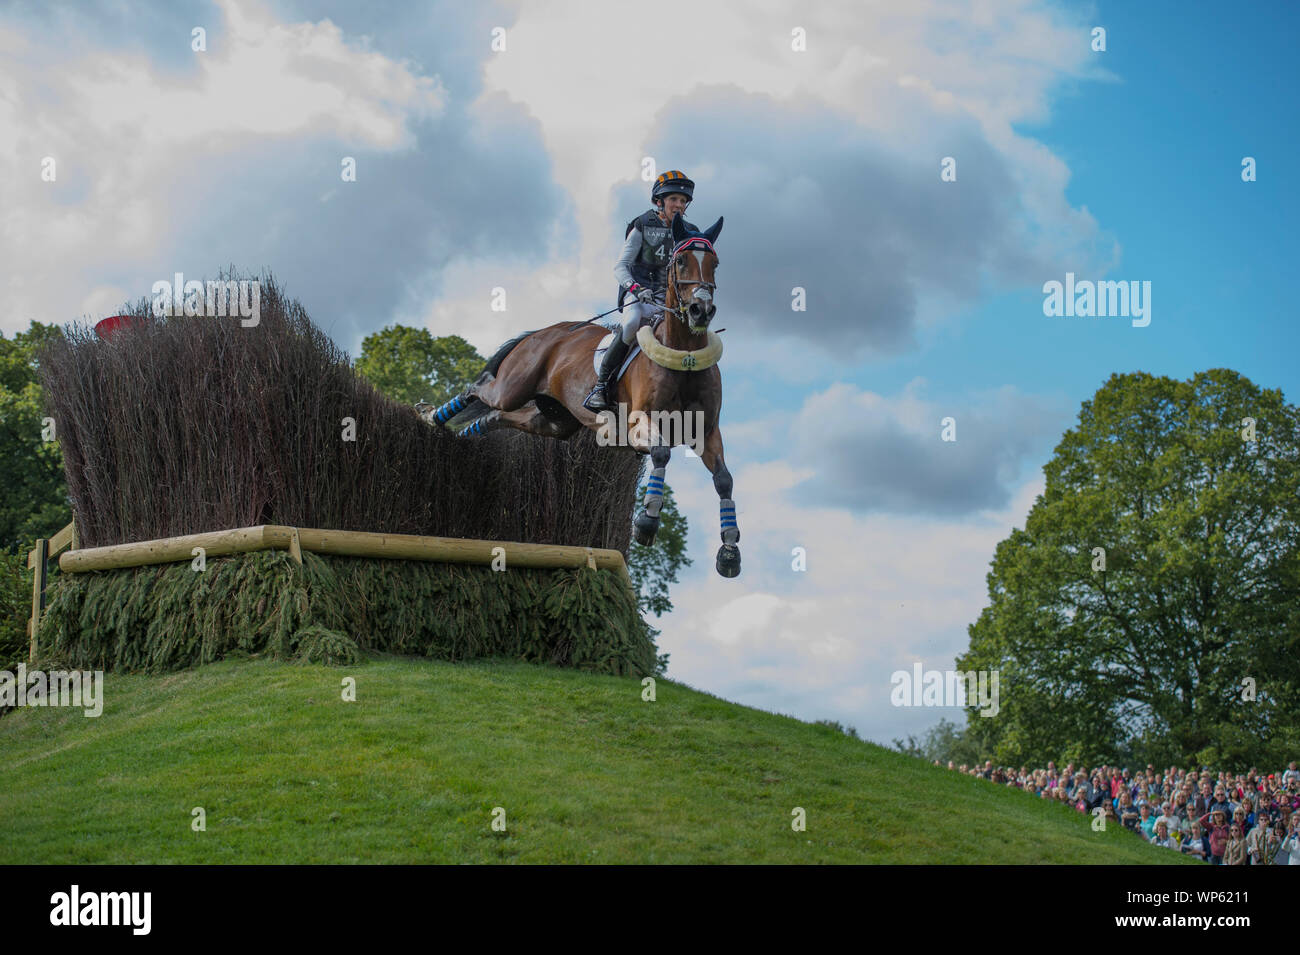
x,y
642,272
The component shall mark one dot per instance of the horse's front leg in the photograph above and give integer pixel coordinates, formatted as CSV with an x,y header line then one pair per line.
x,y
646,524
728,562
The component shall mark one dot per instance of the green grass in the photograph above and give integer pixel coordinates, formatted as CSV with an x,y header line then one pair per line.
x,y
585,769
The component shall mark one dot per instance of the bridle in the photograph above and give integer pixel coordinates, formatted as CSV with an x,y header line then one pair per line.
x,y
682,310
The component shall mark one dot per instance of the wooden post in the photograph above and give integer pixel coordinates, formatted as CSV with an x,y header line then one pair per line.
x,y
36,560
61,540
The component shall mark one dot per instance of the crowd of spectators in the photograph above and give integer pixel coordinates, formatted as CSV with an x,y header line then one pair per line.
x,y
1225,819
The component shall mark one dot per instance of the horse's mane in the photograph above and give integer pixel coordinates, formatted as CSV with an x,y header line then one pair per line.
x,y
494,363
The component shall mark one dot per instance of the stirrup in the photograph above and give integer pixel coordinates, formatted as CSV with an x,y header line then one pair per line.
x,y
598,400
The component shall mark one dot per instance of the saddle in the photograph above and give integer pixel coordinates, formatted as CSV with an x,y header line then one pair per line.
x,y
603,346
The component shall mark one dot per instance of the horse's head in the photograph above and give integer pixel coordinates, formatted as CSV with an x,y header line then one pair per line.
x,y
690,275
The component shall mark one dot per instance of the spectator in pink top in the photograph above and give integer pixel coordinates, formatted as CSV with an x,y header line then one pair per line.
x,y
1217,824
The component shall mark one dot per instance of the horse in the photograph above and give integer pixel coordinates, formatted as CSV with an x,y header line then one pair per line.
x,y
537,382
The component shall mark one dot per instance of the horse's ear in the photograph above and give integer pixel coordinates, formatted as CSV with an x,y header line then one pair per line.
x,y
711,233
680,231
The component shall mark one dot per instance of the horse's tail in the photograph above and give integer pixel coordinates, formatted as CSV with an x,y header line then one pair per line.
x,y
494,363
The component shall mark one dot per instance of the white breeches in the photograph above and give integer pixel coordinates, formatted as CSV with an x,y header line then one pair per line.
x,y
634,313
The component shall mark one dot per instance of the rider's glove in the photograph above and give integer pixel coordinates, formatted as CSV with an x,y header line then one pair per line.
x,y
645,295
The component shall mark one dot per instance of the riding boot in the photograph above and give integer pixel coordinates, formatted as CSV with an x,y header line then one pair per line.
x,y
598,400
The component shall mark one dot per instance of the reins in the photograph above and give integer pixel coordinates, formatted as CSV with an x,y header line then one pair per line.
x,y
679,311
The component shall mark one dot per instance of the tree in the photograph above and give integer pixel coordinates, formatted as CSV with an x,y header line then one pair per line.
x,y
653,568
35,501
15,609
1150,608
944,742
409,364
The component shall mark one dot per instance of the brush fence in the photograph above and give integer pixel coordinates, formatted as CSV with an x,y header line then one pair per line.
x,y
504,555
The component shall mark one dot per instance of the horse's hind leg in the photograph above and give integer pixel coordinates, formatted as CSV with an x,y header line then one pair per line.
x,y
508,393
487,391
441,415
528,418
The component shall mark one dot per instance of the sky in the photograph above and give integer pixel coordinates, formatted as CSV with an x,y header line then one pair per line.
x,y
505,145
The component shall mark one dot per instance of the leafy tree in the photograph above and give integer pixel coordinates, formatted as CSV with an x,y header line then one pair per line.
x,y
943,742
35,501
15,608
1187,644
653,568
409,364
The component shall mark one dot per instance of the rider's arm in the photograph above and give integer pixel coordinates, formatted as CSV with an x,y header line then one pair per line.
x,y
623,268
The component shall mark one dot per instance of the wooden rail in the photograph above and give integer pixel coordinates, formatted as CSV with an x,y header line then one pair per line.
x,y
244,540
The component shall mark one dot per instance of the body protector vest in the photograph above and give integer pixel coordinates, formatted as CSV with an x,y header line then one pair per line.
x,y
650,267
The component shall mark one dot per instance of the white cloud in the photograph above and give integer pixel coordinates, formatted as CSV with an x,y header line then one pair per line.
x,y
996,63
601,102
126,136
880,592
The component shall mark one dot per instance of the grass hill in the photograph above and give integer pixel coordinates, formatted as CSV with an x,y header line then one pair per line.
x,y
410,772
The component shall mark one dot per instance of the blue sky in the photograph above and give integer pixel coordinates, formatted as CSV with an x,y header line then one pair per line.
x,y
517,168
1155,156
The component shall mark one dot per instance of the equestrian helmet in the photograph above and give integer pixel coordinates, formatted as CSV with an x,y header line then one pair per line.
x,y
674,180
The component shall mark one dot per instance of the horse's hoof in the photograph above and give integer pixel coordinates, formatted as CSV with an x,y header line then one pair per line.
x,y
644,529
427,413
729,560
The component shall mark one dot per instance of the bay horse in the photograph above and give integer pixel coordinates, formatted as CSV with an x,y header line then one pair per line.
x,y
537,382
